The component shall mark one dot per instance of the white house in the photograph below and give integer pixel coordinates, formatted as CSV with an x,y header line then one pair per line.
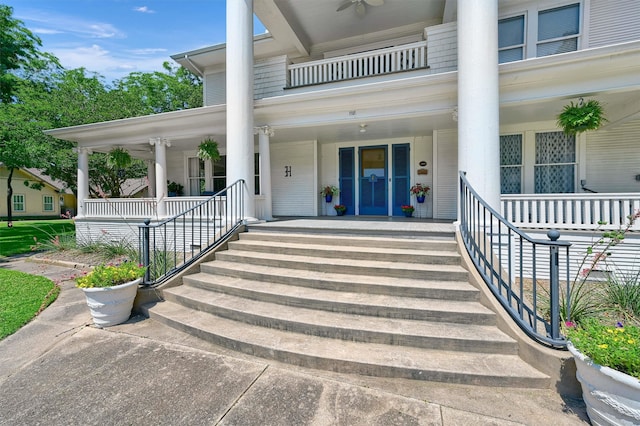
x,y
376,98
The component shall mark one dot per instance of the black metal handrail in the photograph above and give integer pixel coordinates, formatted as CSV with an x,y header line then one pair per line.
x,y
511,264
171,245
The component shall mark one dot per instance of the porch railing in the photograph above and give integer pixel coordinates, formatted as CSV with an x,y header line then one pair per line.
x,y
499,251
171,245
375,62
571,211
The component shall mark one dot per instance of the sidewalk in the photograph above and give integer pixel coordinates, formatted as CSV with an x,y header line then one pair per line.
x,y
61,370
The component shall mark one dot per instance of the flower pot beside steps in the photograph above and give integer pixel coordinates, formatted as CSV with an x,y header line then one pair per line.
x,y
611,397
110,291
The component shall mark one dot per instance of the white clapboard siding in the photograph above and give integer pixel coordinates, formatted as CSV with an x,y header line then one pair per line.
x,y
270,77
613,158
613,21
442,47
215,88
446,182
296,194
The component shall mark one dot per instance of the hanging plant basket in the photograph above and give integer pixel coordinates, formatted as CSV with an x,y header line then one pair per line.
x,y
580,117
208,150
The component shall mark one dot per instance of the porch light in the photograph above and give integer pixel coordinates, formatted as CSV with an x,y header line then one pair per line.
x,y
363,128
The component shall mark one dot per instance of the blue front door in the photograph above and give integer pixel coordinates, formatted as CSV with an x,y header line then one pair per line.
x,y
372,176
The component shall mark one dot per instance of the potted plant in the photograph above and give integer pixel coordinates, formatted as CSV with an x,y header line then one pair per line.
x,y
608,368
110,290
208,150
407,209
328,192
420,190
580,117
174,189
341,209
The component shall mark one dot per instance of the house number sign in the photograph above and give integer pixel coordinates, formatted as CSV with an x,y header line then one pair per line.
x,y
287,171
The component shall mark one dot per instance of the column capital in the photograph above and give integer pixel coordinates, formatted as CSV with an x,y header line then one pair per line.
x,y
265,130
159,141
82,150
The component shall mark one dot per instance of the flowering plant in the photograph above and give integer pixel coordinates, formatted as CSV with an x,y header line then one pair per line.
x,y
407,208
616,347
329,190
340,207
419,190
111,275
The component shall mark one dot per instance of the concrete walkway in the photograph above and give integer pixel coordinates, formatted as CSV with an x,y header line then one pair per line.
x,y
61,370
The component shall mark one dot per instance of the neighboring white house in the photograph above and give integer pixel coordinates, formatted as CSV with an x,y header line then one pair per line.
x,y
410,91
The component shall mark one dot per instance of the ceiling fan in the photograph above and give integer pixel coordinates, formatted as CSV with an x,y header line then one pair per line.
x,y
361,5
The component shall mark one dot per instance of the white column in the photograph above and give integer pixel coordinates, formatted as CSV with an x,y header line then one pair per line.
x,y
478,97
151,178
161,173
83,180
264,133
240,99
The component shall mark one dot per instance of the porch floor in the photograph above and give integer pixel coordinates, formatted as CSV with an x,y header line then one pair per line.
x,y
362,224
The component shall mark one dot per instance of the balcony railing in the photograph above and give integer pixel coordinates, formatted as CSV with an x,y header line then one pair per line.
x,y
367,64
571,211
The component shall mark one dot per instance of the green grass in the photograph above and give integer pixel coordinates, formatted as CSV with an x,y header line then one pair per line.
x,y
22,297
27,234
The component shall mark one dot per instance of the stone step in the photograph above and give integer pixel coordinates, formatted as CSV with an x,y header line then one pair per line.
x,y
405,287
353,357
336,325
348,266
428,244
463,312
371,253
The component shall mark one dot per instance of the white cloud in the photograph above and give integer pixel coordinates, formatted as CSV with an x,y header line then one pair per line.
x,y
45,31
144,9
54,23
148,51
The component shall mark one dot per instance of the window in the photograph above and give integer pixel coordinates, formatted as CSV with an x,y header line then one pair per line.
x,y
220,173
558,30
555,168
47,203
18,203
511,39
511,164
196,176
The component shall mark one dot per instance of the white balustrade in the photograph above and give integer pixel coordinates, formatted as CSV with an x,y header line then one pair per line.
x,y
375,62
123,208
571,211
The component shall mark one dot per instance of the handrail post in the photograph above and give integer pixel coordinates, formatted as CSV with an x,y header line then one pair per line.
x,y
146,251
554,272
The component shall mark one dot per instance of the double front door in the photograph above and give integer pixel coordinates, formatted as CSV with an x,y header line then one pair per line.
x,y
367,183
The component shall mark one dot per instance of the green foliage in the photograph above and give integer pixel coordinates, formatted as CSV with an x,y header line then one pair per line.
x,y
616,347
330,190
208,150
22,297
622,293
578,118
25,236
111,275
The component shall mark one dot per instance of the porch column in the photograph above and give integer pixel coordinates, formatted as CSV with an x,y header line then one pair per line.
x,y
478,97
264,133
83,180
240,148
161,173
151,178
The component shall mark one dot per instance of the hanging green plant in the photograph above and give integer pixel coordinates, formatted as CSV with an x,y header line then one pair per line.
x,y
119,158
580,117
208,150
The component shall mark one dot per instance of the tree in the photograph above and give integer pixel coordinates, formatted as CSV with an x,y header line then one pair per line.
x,y
20,61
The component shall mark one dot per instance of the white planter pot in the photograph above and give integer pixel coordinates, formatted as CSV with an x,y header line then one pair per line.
x,y
111,305
611,397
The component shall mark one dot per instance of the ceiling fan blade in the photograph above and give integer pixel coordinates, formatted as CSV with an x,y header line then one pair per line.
x,y
361,9
344,5
374,2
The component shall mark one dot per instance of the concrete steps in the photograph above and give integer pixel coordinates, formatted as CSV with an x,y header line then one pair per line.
x,y
388,307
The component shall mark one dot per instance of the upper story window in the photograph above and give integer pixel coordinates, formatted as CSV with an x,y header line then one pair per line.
x,y
536,33
558,30
511,39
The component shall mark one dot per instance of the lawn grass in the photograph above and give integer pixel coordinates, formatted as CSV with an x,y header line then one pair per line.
x,y
22,296
24,235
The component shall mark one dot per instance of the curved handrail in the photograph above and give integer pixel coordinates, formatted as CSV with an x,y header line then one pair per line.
x,y
169,246
507,260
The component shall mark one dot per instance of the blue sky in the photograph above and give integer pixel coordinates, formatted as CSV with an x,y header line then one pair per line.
x,y
116,37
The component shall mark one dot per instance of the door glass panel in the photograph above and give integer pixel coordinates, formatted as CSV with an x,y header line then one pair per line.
x,y
373,180
373,163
